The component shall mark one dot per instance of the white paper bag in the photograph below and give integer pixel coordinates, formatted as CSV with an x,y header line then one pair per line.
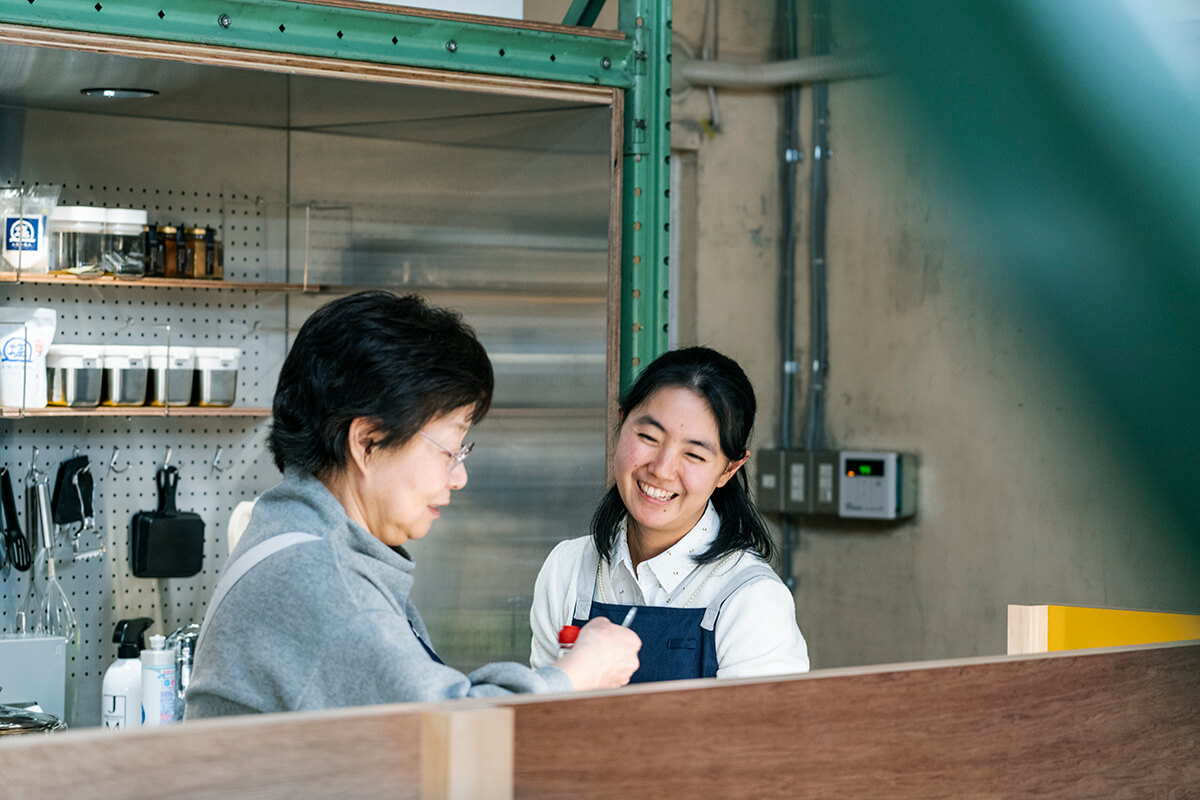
x,y
25,336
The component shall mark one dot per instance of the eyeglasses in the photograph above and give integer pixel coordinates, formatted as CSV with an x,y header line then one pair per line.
x,y
456,457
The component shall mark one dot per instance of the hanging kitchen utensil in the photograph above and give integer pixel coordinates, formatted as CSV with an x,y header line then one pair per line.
x,y
166,543
55,615
79,481
37,507
72,487
5,566
64,501
18,547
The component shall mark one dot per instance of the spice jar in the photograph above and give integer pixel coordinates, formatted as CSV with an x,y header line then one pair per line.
x,y
155,253
123,248
169,237
194,253
213,269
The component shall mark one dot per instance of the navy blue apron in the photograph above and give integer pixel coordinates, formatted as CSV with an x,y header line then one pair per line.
x,y
677,643
428,649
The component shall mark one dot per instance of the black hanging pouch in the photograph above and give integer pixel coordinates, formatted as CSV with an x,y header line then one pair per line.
x,y
166,543
68,504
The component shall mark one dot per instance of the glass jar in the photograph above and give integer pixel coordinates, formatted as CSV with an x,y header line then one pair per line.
x,y
124,251
77,239
213,269
169,238
196,247
155,252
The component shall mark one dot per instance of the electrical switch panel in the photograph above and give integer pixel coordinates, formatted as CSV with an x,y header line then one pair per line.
x,y
853,484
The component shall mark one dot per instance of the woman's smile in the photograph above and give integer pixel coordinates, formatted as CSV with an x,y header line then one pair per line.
x,y
654,493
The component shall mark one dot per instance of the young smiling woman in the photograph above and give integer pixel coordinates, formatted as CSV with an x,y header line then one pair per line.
x,y
678,537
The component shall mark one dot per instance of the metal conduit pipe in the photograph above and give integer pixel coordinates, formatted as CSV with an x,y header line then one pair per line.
x,y
789,166
814,69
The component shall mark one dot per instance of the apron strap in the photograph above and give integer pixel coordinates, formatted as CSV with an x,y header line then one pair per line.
x,y
586,582
756,572
245,562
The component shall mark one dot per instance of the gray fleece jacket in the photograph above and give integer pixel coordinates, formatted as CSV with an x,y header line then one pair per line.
x,y
325,624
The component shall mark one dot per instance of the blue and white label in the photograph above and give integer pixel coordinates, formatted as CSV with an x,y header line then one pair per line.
x,y
16,348
21,233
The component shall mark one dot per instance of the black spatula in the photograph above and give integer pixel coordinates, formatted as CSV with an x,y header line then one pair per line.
x,y
18,547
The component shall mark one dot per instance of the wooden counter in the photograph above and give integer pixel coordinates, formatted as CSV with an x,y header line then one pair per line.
x,y
1119,722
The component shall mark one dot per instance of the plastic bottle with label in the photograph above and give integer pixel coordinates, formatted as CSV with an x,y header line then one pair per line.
x,y
158,683
121,690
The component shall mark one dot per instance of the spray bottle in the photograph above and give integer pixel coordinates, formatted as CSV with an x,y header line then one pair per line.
x,y
121,693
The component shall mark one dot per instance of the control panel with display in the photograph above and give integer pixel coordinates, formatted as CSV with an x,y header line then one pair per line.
x,y
873,486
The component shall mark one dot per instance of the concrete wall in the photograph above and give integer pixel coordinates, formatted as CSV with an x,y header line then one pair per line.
x,y
1023,497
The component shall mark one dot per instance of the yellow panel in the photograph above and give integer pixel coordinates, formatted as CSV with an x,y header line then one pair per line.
x,y
1076,628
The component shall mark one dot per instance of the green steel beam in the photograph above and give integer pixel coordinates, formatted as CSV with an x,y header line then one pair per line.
x,y
583,12
646,181
380,36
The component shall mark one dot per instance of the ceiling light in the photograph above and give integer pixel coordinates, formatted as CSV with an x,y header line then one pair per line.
x,y
118,93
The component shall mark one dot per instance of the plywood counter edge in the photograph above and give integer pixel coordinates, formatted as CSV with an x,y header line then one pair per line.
x,y
833,672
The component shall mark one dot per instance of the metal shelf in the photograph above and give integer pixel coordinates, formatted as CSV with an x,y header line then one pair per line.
x,y
165,283
9,412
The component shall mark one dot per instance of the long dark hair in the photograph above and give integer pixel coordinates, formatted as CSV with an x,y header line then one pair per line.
x,y
724,386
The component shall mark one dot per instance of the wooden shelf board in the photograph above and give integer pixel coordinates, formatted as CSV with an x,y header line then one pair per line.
x,y
162,283
8,412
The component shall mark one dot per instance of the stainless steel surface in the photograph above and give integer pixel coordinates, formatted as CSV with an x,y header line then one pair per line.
x,y
217,387
52,79
76,387
125,387
17,721
495,206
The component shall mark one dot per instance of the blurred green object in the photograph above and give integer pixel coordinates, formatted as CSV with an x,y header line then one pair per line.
x,y
1079,151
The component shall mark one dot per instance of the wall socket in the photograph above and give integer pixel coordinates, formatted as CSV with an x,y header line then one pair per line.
x,y
856,484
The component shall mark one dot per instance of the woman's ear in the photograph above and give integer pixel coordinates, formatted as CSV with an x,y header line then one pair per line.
x,y
732,469
361,439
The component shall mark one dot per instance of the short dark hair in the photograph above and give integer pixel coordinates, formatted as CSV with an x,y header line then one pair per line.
x,y
724,386
396,361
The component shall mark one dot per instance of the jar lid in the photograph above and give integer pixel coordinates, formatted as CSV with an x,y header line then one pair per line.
x,y
167,228
15,720
78,214
181,350
125,216
194,231
125,350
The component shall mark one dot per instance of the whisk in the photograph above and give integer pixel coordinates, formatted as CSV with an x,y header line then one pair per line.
x,y
53,612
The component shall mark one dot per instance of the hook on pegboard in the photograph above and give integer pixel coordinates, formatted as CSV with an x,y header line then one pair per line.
x,y
216,461
112,462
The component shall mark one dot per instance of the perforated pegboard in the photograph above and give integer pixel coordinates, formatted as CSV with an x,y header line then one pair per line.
x,y
125,452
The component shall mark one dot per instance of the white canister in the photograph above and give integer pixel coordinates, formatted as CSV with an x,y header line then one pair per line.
x,y
25,337
123,252
125,373
74,375
77,238
171,374
216,375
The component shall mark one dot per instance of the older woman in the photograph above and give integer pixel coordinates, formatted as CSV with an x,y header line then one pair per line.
x,y
373,405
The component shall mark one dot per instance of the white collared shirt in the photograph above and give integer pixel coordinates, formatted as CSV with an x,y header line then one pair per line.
x,y
756,633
